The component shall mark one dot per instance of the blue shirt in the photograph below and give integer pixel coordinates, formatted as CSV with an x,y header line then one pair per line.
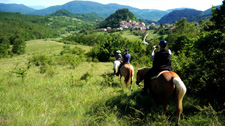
x,y
126,58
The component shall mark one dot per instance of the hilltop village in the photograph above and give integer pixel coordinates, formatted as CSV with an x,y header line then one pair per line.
x,y
134,25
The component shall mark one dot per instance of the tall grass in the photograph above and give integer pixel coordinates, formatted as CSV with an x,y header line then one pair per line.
x,y
86,95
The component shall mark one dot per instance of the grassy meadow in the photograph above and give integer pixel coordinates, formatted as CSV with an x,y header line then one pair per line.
x,y
88,94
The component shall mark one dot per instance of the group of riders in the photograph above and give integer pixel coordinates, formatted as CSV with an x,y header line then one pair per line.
x,y
161,61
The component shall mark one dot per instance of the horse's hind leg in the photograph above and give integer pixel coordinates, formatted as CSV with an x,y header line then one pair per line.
x,y
131,85
126,81
120,79
179,109
165,102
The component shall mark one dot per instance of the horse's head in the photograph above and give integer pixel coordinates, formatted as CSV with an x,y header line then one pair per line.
x,y
141,74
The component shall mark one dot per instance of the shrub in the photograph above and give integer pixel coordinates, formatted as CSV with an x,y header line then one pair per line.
x,y
44,62
85,76
75,50
40,60
20,72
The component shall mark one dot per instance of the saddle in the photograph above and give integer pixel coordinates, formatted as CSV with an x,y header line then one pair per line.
x,y
154,77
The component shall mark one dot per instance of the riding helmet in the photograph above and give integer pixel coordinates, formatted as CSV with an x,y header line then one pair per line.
x,y
162,43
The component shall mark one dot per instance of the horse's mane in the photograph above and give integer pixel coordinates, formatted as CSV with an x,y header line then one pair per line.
x,y
143,70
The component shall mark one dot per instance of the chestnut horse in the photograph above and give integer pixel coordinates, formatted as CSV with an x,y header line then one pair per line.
x,y
126,71
167,84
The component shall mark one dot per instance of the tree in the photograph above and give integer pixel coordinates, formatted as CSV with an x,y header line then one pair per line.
x,y
210,60
180,37
4,46
19,45
218,17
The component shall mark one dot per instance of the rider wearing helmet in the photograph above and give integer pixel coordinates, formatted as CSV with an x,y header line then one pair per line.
x,y
126,59
118,55
161,62
162,58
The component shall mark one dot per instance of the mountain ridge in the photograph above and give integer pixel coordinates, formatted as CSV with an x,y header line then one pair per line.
x,y
105,10
178,14
16,8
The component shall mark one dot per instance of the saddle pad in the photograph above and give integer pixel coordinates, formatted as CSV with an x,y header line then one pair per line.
x,y
154,77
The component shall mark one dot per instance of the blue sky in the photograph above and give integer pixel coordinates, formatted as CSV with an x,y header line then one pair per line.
x,y
141,4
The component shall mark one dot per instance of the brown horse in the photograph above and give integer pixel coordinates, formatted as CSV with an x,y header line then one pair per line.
x,y
167,84
126,71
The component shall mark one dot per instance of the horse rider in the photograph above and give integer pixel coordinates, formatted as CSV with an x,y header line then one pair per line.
x,y
126,59
118,55
161,62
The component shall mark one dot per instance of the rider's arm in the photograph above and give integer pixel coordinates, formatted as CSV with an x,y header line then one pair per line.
x,y
169,51
153,52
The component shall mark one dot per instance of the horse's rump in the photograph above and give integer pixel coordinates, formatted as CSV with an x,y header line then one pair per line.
x,y
156,76
165,85
127,70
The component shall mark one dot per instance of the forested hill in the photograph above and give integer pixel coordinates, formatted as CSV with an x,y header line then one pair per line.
x,y
104,10
28,26
209,11
81,7
16,28
86,16
16,8
36,27
178,14
114,19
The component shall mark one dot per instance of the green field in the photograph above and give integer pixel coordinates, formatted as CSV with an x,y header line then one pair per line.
x,y
86,95
63,99
127,34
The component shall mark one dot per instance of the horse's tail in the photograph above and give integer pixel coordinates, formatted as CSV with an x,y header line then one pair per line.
x,y
180,87
180,90
129,75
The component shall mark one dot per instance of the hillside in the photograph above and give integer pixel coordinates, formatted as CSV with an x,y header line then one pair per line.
x,y
102,9
86,16
114,19
71,82
16,8
178,14
80,7
209,11
28,26
61,23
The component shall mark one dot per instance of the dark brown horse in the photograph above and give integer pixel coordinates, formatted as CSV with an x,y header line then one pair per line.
x,y
126,71
167,84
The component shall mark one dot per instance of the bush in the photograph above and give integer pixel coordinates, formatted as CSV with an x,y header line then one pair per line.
x,y
75,50
70,59
85,76
40,60
206,116
43,62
